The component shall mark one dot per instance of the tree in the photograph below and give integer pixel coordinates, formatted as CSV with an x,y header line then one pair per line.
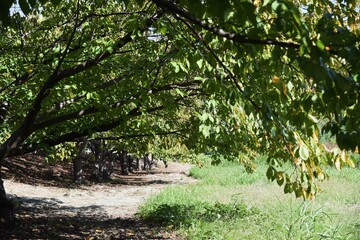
x,y
222,76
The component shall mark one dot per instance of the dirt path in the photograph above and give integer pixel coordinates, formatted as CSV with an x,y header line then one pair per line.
x,y
99,211
113,201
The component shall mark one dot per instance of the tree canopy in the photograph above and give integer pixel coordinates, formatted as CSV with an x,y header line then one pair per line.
x,y
223,77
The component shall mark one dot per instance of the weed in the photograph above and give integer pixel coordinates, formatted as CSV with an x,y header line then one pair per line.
x,y
185,215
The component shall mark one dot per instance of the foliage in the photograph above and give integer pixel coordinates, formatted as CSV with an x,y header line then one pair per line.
x,y
254,77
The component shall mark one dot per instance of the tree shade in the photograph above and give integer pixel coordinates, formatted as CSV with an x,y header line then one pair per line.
x,y
223,77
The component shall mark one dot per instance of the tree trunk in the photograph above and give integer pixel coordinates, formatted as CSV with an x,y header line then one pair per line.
x,y
2,189
7,216
95,146
77,163
123,163
78,170
146,162
129,163
138,164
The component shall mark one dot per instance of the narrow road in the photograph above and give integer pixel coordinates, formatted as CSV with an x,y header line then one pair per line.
x,y
102,202
113,201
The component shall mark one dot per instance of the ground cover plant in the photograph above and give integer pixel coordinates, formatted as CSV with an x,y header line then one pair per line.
x,y
228,203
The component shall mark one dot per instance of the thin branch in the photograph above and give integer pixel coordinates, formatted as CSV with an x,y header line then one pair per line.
x,y
71,136
174,9
127,136
93,109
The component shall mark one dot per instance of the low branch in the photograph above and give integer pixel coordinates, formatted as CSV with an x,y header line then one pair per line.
x,y
240,38
109,83
71,136
93,109
127,136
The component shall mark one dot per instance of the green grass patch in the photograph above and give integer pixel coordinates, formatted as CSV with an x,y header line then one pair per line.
x,y
231,174
229,203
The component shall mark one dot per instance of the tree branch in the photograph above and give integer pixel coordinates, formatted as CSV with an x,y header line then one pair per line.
x,y
26,128
141,135
174,9
93,109
71,136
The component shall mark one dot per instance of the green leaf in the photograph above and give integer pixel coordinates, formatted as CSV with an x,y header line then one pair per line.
x,y
183,68
288,188
163,30
32,3
270,173
197,8
205,130
320,45
200,63
280,178
140,3
304,152
218,8
24,6
298,192
246,12
126,2
56,2
176,66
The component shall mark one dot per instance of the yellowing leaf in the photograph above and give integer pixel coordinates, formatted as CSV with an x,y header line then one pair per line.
x,y
350,163
343,156
284,89
321,176
29,69
275,79
316,135
303,167
313,118
337,163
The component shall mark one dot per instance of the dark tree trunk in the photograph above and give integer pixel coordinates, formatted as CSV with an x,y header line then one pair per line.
x,y
148,159
146,162
97,153
129,163
138,164
7,216
78,165
95,146
78,170
123,163
2,189
165,162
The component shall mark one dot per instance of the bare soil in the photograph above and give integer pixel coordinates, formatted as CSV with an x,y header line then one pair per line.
x,y
50,206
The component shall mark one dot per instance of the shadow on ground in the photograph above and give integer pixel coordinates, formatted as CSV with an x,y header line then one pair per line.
x,y
32,169
47,218
50,218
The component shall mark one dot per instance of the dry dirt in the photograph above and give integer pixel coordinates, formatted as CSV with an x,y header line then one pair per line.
x,y
50,207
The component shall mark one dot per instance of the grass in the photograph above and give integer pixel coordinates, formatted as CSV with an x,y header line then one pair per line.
x,y
228,203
